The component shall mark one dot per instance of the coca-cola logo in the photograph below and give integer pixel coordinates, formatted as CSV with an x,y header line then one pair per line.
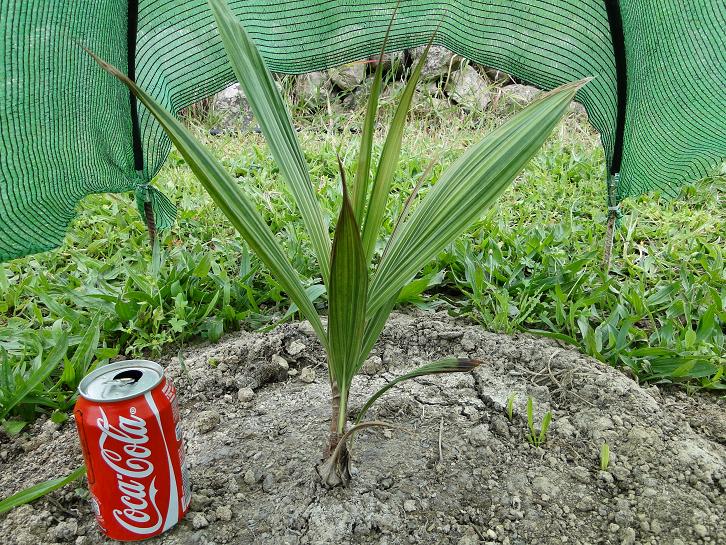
x,y
123,449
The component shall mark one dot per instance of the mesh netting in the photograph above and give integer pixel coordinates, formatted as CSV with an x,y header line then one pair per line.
x,y
68,129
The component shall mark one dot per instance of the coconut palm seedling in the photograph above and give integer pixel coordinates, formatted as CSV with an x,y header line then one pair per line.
x,y
362,284
534,438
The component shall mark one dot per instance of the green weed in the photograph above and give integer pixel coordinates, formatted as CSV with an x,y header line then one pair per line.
x,y
534,438
604,457
510,405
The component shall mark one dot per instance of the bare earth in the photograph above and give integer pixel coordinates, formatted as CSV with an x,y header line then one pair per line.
x,y
454,470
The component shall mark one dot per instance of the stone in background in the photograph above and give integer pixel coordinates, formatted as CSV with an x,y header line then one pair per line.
x,y
468,88
313,90
446,79
439,63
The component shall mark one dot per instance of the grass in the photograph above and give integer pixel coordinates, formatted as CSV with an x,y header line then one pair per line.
x,y
534,438
604,457
532,263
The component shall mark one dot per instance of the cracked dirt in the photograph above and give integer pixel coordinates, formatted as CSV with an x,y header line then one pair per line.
x,y
453,470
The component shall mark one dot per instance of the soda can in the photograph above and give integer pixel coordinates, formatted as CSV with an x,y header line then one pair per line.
x,y
127,416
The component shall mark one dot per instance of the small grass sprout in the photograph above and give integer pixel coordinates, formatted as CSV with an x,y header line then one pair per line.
x,y
604,456
510,405
534,438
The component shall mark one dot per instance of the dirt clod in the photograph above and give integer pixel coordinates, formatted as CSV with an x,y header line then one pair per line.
x,y
245,395
307,375
453,470
281,362
65,531
295,348
199,521
224,513
207,421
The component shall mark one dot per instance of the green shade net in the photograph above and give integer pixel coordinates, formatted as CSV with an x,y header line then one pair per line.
x,y
67,129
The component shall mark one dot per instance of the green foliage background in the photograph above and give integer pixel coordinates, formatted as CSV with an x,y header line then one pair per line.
x,y
532,263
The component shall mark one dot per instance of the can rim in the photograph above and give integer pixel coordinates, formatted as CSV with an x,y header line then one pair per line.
x,y
117,366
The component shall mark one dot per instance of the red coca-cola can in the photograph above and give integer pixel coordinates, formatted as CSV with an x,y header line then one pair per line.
x,y
128,422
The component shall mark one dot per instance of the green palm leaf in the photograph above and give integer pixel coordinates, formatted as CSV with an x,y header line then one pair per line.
x,y
464,191
347,300
274,119
388,162
360,184
230,199
446,365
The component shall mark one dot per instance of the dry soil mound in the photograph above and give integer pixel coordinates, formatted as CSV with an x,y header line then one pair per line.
x,y
456,470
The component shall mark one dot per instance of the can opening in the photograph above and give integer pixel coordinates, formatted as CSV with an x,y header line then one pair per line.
x,y
128,376
120,380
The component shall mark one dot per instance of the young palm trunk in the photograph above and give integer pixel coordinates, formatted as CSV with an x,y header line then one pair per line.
x,y
335,435
334,470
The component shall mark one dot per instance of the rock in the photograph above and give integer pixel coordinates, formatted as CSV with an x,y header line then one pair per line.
x,y
264,372
229,100
628,537
701,530
357,98
409,506
224,512
250,477
497,77
349,76
468,89
480,435
281,362
393,62
439,62
372,366
49,427
200,501
268,482
577,108
307,375
232,484
470,537
65,531
245,395
199,521
295,348
500,426
393,90
544,486
520,94
207,421
313,90
232,108
430,98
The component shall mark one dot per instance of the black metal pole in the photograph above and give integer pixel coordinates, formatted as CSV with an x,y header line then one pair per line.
x,y
131,34
617,34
